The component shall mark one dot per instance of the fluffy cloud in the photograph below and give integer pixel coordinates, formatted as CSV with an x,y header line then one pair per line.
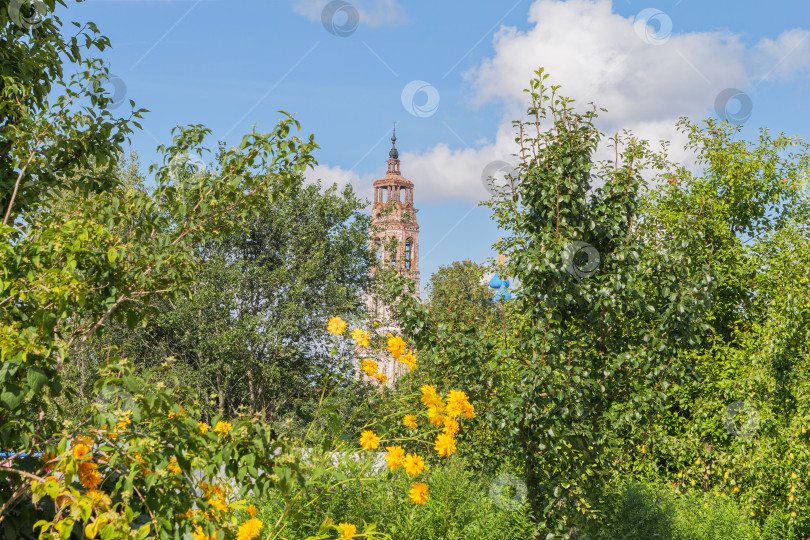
x,y
375,13
342,177
784,58
645,76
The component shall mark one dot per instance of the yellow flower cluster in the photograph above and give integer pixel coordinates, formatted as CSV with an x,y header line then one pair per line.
x,y
399,350
81,447
173,467
121,426
222,428
199,534
218,503
396,346
395,456
413,464
370,367
89,476
440,412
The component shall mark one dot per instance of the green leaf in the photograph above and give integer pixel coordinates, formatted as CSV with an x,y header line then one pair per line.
x,y
11,396
36,378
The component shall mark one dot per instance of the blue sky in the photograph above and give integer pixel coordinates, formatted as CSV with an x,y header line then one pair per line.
x,y
232,64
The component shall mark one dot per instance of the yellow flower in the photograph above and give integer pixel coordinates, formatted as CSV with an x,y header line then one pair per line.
x,y
380,377
396,346
336,326
347,530
199,534
418,493
249,529
222,428
395,457
251,510
469,410
410,421
173,467
370,367
409,360
88,475
454,409
445,444
203,427
360,337
100,499
218,503
80,451
413,464
429,396
455,402
369,440
451,426
435,415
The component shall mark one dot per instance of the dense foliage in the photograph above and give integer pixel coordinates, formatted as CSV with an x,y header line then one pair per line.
x,y
245,334
653,306
648,382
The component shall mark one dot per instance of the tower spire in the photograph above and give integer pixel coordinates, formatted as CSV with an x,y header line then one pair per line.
x,y
393,154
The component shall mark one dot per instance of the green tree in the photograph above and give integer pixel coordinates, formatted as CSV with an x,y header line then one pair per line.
x,y
79,249
740,423
456,294
604,311
248,332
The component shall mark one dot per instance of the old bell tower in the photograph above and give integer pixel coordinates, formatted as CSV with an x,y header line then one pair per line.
x,y
394,238
394,231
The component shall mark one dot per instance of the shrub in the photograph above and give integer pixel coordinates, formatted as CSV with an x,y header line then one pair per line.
x,y
650,511
459,505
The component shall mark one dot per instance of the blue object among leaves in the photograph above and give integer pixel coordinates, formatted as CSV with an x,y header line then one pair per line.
x,y
501,287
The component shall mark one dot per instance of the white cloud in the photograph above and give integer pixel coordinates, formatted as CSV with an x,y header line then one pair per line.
x,y
785,58
444,173
598,55
362,185
374,13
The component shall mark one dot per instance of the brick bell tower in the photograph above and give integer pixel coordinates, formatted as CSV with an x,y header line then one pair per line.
x,y
394,238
